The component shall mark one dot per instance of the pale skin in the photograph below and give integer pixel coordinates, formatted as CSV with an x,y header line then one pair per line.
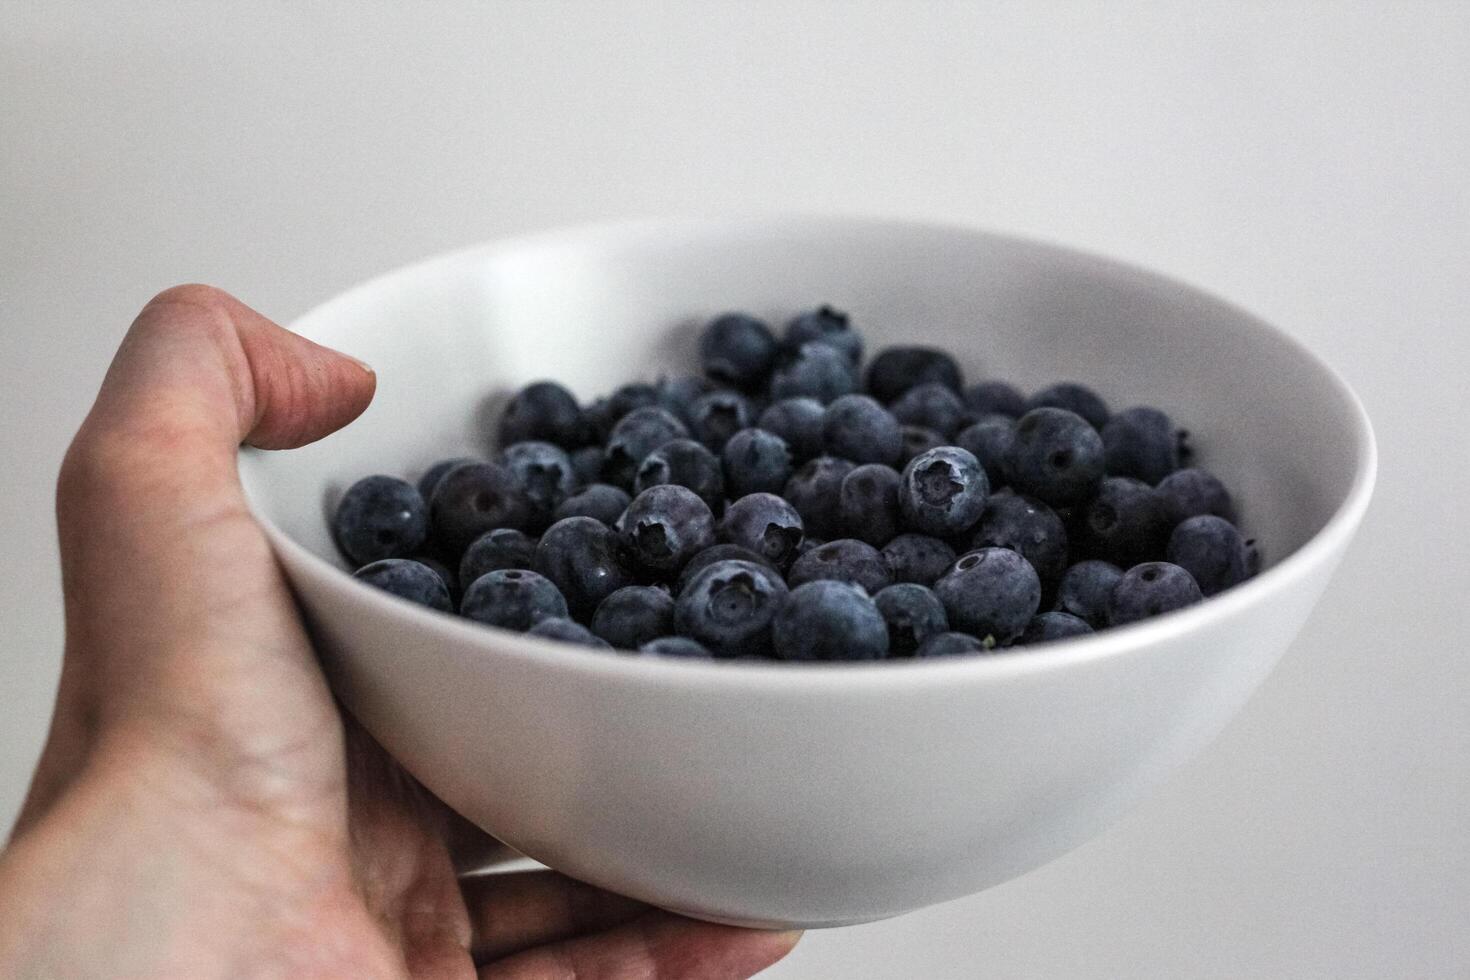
x,y
202,809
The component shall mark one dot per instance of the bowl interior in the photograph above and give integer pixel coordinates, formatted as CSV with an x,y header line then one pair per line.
x,y
453,336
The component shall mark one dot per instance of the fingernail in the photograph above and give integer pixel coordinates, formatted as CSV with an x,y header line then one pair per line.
x,y
360,363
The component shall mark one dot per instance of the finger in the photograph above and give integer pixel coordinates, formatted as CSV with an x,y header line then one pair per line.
x,y
518,910
656,945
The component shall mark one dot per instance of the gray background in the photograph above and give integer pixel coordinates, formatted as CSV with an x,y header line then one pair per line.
x,y
1309,161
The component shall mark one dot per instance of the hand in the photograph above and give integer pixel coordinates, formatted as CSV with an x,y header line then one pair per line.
x,y
201,809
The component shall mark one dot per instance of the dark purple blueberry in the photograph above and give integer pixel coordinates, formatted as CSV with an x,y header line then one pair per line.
x,y
633,615
943,492
447,574
600,500
667,525
1151,589
1056,456
951,645
990,440
678,394
897,369
1126,523
856,427
636,435
545,475
825,325
995,398
826,620
798,421
587,464
867,504
1212,550
729,607
494,551
717,416
476,498
380,517
512,598
723,552
1193,492
756,461
677,646
1075,398
1086,591
586,560
843,560
916,440
409,580
1141,442
1048,626
1027,527
992,592
738,349
816,371
766,524
913,614
599,418
918,558
933,406
435,473
567,631
685,463
544,411
813,491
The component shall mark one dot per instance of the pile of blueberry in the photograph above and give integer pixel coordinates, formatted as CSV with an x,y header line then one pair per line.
x,y
788,504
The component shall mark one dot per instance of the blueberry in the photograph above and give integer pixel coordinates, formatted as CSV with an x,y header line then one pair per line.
x,y
1075,398
567,631
816,371
603,501
798,421
633,615
856,427
1211,550
897,369
943,491
586,560
766,524
435,473
992,592
512,598
1193,492
476,498
995,398
1048,626
685,463
756,461
1141,442
1086,591
918,558
1126,523
636,435
825,325
933,406
678,394
667,525
445,573
587,464
380,517
989,439
813,490
916,440
409,580
826,620
545,475
717,416
1027,527
599,418
951,645
867,504
843,560
677,646
496,550
545,411
1151,589
737,349
729,607
1056,456
724,552
913,614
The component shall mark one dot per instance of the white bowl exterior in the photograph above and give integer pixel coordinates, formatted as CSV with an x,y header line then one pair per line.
x,y
788,795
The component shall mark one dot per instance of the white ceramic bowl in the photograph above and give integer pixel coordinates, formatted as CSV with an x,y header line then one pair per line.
x,y
808,795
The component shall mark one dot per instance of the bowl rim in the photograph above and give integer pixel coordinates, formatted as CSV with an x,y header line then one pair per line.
x,y
1114,642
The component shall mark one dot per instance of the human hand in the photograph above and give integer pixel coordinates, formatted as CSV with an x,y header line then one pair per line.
x,y
201,809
